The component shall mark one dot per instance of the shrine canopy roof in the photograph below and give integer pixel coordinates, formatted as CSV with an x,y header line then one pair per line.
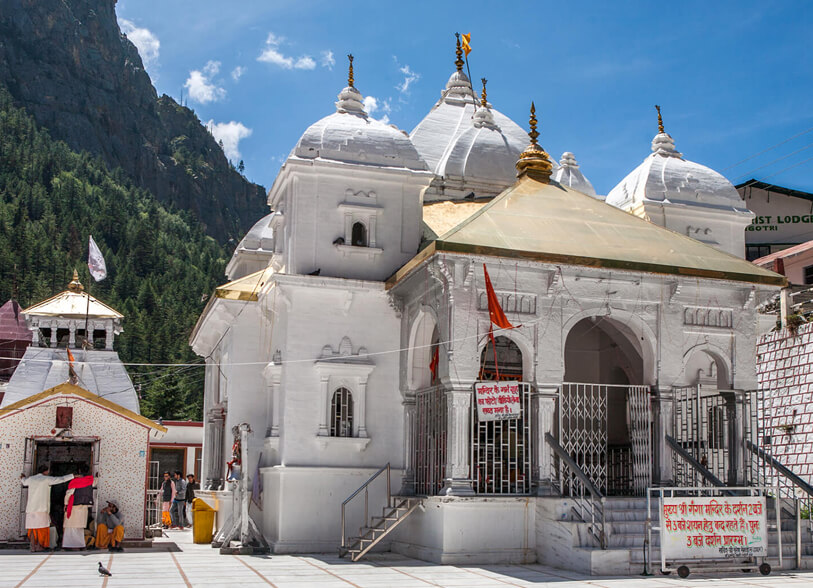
x,y
246,288
551,223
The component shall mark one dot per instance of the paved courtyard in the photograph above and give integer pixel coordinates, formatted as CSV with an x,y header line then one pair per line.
x,y
176,562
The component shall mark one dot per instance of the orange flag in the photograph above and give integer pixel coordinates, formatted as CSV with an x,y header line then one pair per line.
x,y
433,364
495,311
466,43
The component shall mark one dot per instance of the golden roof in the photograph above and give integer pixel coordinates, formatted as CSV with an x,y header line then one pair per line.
x,y
442,217
73,302
550,223
68,388
245,288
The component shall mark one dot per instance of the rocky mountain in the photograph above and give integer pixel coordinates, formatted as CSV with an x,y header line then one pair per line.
x,y
67,63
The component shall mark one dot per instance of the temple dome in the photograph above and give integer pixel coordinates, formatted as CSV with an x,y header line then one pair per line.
x,y
571,176
350,135
665,176
471,148
254,251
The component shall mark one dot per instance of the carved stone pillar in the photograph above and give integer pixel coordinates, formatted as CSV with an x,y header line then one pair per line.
x,y
663,406
54,331
108,338
325,407
361,409
458,443
408,487
544,406
213,449
72,335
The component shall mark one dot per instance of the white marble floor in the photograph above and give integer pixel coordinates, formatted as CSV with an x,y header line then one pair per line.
x,y
176,562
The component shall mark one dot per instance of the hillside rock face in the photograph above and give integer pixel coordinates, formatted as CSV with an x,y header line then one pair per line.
x,y
68,64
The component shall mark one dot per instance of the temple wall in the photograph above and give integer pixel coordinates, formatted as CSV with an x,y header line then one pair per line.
x,y
122,467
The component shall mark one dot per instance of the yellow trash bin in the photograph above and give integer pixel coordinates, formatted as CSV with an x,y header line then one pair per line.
x,y
203,521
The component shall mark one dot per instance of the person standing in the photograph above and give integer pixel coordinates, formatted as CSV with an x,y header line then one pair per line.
x,y
167,496
110,528
78,500
178,512
191,486
38,507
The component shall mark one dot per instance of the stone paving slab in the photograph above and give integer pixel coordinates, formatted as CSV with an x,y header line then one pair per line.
x,y
176,562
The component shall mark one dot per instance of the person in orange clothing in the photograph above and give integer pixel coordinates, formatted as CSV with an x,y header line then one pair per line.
x,y
37,519
110,528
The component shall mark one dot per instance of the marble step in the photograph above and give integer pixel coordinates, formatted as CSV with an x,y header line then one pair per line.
x,y
625,514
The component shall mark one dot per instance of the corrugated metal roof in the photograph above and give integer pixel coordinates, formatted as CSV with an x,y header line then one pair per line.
x,y
12,323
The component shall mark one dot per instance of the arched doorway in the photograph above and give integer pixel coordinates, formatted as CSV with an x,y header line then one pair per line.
x,y
501,450
604,408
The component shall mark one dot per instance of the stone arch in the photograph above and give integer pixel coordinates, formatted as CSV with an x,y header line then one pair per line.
x,y
525,347
422,336
705,361
632,331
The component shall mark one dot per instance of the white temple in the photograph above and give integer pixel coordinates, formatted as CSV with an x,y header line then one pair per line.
x,y
356,324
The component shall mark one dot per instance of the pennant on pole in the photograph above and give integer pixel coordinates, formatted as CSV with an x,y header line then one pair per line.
x,y
433,364
96,264
72,377
495,312
466,43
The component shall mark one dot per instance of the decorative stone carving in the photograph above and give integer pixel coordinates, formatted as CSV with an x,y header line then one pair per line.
x,y
708,317
518,302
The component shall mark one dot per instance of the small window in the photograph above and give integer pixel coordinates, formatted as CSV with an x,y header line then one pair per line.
x,y
753,252
341,413
809,274
359,236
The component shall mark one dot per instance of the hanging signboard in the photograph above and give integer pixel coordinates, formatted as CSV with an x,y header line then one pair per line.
x,y
497,401
723,527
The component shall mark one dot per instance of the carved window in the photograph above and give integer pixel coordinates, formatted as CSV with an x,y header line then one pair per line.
x,y
359,235
341,413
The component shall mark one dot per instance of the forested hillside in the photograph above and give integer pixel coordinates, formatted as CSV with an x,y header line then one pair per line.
x,y
161,265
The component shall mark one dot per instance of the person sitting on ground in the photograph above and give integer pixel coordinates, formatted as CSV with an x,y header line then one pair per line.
x,y
37,518
110,528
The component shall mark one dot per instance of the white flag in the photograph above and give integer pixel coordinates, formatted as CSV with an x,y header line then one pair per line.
x,y
96,264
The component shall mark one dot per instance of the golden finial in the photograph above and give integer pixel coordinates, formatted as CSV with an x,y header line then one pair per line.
x,y
534,162
660,120
483,101
75,285
350,80
459,52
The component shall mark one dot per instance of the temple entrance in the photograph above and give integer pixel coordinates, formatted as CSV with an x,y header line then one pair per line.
x,y
501,451
62,456
604,408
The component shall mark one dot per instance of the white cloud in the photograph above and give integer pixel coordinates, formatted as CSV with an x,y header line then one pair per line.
x,y
237,73
305,62
201,86
273,55
373,105
327,60
230,133
409,78
145,41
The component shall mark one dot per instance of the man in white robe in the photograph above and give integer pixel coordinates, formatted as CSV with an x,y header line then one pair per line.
x,y
38,507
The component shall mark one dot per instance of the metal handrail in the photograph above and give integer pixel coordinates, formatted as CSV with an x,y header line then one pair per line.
x,y
690,459
595,493
799,482
365,487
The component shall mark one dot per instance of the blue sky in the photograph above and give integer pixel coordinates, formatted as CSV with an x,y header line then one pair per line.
x,y
733,78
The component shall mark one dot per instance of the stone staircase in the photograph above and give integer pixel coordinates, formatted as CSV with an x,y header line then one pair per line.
x,y
379,527
626,540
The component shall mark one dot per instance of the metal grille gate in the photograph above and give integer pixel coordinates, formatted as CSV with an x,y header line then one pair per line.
x,y
430,441
501,451
701,428
583,434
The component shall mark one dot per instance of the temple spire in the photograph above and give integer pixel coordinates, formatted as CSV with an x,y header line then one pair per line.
x,y
75,285
483,100
534,162
459,53
660,120
350,79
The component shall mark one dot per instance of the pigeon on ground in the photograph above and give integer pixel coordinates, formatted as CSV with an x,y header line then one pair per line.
x,y
103,571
